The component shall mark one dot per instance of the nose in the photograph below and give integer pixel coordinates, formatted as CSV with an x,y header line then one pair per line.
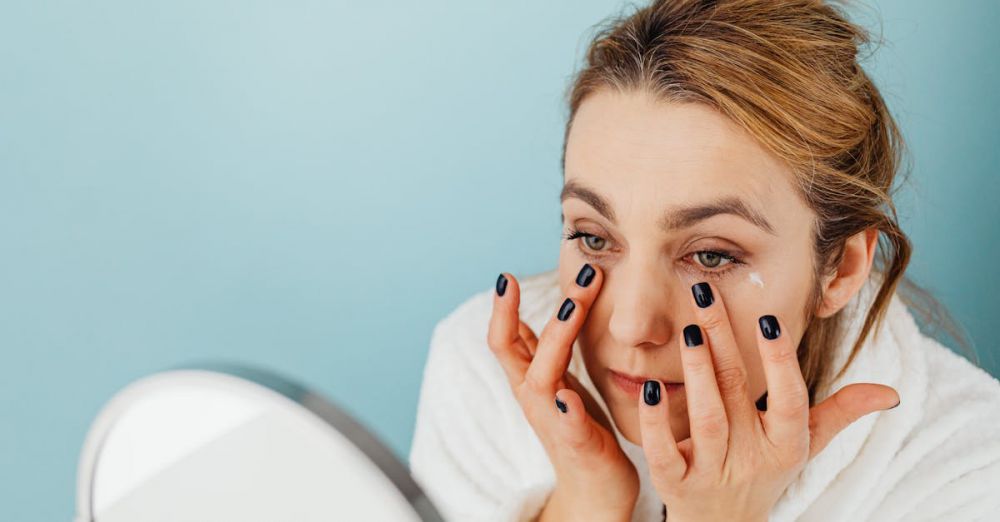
x,y
642,314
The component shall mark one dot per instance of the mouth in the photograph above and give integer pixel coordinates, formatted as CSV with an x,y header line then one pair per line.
x,y
632,385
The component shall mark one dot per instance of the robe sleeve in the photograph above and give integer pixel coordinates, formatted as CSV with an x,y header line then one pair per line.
x,y
956,454
461,450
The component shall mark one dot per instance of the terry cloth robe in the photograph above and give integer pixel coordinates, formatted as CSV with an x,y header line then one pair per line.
x,y
936,456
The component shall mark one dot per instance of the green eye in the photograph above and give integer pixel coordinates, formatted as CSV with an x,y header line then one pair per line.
x,y
593,242
710,259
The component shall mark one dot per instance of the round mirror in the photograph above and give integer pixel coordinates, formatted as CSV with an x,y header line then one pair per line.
x,y
230,443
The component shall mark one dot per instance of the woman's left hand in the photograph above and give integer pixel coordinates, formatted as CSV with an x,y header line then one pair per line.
x,y
738,460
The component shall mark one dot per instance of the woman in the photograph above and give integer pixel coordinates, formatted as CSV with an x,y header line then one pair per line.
x,y
718,341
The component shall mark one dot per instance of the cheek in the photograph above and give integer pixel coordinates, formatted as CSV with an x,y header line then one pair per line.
x,y
569,266
754,293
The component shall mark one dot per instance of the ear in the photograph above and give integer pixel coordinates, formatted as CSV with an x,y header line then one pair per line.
x,y
852,272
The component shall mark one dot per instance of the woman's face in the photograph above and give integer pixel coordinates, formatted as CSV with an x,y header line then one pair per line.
x,y
644,182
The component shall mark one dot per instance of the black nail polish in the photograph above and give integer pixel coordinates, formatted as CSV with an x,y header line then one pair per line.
x,y
561,405
703,295
585,276
692,335
651,392
501,285
762,402
566,309
769,326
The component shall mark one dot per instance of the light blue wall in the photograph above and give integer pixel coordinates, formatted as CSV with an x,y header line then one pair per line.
x,y
310,186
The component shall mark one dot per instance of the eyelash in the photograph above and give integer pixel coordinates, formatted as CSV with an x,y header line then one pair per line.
x,y
734,261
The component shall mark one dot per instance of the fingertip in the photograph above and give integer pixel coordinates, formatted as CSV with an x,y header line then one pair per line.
x,y
569,401
561,405
770,328
703,294
507,291
652,393
500,288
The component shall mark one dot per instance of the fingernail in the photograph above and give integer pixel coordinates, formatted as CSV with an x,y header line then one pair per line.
x,y
566,309
651,392
501,285
769,326
702,295
561,405
585,276
692,335
897,404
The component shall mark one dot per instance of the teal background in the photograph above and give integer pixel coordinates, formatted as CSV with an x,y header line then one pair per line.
x,y
310,186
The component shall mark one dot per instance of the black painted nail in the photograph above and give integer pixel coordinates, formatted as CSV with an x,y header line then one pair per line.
x,y
769,326
651,392
702,295
692,335
762,402
561,405
566,309
585,276
501,285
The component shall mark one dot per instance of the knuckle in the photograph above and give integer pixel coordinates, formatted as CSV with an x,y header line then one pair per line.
x,y
713,322
496,342
534,386
842,409
794,456
780,356
796,396
660,463
699,366
582,443
714,424
732,379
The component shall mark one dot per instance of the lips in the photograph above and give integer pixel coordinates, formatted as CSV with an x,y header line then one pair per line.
x,y
632,385
641,379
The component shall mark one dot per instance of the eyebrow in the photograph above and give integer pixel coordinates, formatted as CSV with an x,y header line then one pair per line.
x,y
676,218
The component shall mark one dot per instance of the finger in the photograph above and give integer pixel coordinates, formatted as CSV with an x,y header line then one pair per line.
x,y
529,338
576,428
666,464
838,411
706,412
503,337
554,349
730,371
787,418
589,403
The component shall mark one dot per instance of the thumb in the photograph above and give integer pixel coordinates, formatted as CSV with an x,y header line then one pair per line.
x,y
841,409
589,403
576,428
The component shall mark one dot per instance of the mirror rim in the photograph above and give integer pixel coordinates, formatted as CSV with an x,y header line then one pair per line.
x,y
387,462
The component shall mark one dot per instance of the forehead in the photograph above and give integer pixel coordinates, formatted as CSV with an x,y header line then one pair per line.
x,y
633,149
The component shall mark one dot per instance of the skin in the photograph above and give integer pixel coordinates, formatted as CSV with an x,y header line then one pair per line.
x,y
645,156
711,454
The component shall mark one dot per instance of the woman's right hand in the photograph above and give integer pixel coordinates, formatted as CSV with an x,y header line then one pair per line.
x,y
590,466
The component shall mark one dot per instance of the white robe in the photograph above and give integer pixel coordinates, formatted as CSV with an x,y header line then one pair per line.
x,y
934,457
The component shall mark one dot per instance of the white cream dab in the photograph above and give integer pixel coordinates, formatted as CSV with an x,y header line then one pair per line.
x,y
755,279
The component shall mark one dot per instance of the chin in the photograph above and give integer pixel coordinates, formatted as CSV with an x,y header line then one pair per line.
x,y
626,419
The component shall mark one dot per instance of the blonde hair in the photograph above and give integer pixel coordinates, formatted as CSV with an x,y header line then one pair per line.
x,y
787,72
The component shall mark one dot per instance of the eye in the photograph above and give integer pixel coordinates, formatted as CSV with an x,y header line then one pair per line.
x,y
711,259
714,259
707,264
592,242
